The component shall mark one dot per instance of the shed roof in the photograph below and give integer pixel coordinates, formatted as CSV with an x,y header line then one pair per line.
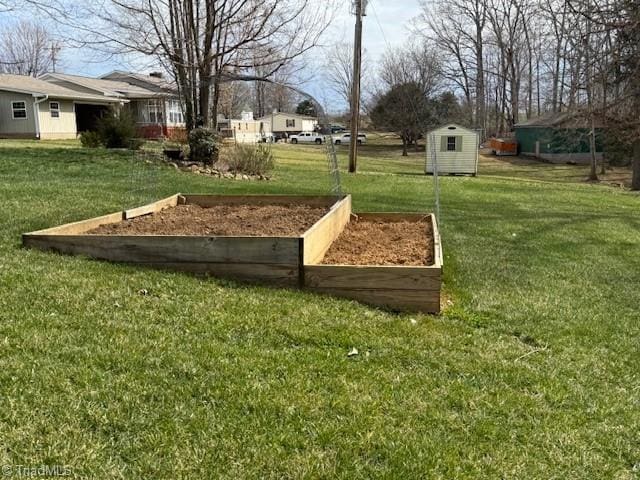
x,y
38,87
446,125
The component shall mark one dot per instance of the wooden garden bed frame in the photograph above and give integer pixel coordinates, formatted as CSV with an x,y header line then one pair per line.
x,y
285,261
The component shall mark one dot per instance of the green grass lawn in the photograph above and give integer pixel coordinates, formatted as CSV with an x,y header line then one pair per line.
x,y
532,372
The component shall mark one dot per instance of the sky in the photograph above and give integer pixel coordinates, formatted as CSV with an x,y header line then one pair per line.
x,y
386,24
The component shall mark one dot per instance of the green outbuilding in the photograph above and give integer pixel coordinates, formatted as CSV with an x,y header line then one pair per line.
x,y
557,138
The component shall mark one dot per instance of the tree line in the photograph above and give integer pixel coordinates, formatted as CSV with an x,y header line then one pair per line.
x,y
518,59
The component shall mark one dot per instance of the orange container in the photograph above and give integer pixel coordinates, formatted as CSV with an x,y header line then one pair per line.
x,y
504,146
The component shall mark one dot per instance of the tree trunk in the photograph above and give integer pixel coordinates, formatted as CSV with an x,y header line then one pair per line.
x,y
205,95
635,181
480,90
593,173
405,151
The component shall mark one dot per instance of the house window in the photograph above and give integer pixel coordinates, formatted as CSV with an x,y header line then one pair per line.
x,y
175,111
451,144
291,123
54,108
19,110
155,111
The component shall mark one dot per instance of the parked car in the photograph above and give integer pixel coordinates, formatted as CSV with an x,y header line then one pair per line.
x,y
345,139
307,137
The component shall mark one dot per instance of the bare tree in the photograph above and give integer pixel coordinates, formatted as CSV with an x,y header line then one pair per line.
x,y
417,63
457,27
339,70
25,49
204,43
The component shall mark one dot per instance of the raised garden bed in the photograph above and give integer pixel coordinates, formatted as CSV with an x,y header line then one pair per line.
x,y
392,260
277,239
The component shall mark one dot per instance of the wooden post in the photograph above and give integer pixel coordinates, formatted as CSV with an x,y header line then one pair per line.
x,y
355,91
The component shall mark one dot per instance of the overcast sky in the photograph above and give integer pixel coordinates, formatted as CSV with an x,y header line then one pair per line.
x,y
386,23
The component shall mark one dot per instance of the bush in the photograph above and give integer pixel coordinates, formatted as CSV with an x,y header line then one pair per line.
x,y
251,159
118,130
90,139
203,145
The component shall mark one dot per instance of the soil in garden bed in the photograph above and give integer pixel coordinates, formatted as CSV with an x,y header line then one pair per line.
x,y
374,242
221,220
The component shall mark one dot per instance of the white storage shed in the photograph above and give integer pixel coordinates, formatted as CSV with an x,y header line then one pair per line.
x,y
456,150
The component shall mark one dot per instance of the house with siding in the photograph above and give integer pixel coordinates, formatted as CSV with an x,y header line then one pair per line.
x,y
558,137
153,101
35,108
284,124
248,130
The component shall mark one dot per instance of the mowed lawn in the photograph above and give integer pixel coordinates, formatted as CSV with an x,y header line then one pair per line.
x,y
532,372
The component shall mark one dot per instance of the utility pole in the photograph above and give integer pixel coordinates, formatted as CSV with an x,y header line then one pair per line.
x,y
55,48
355,90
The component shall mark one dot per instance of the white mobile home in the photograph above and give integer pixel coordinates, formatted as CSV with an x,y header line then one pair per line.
x,y
285,124
455,149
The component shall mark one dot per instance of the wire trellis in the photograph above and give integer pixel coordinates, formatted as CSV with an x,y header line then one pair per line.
x,y
334,167
432,151
143,178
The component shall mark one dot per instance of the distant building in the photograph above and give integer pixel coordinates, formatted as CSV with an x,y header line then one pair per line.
x,y
248,130
455,149
558,138
284,124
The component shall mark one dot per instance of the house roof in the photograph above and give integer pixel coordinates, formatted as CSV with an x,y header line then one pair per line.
x,y
112,88
41,88
297,115
161,84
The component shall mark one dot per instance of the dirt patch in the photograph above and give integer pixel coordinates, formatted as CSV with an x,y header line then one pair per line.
x,y
371,242
221,220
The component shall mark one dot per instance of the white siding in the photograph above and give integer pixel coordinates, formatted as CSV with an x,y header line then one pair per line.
x,y
297,123
250,131
309,125
61,127
463,160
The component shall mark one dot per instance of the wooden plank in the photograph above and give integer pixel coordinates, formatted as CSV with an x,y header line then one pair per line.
x,y
282,275
149,248
154,207
398,300
437,243
318,239
393,216
76,228
214,200
372,277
